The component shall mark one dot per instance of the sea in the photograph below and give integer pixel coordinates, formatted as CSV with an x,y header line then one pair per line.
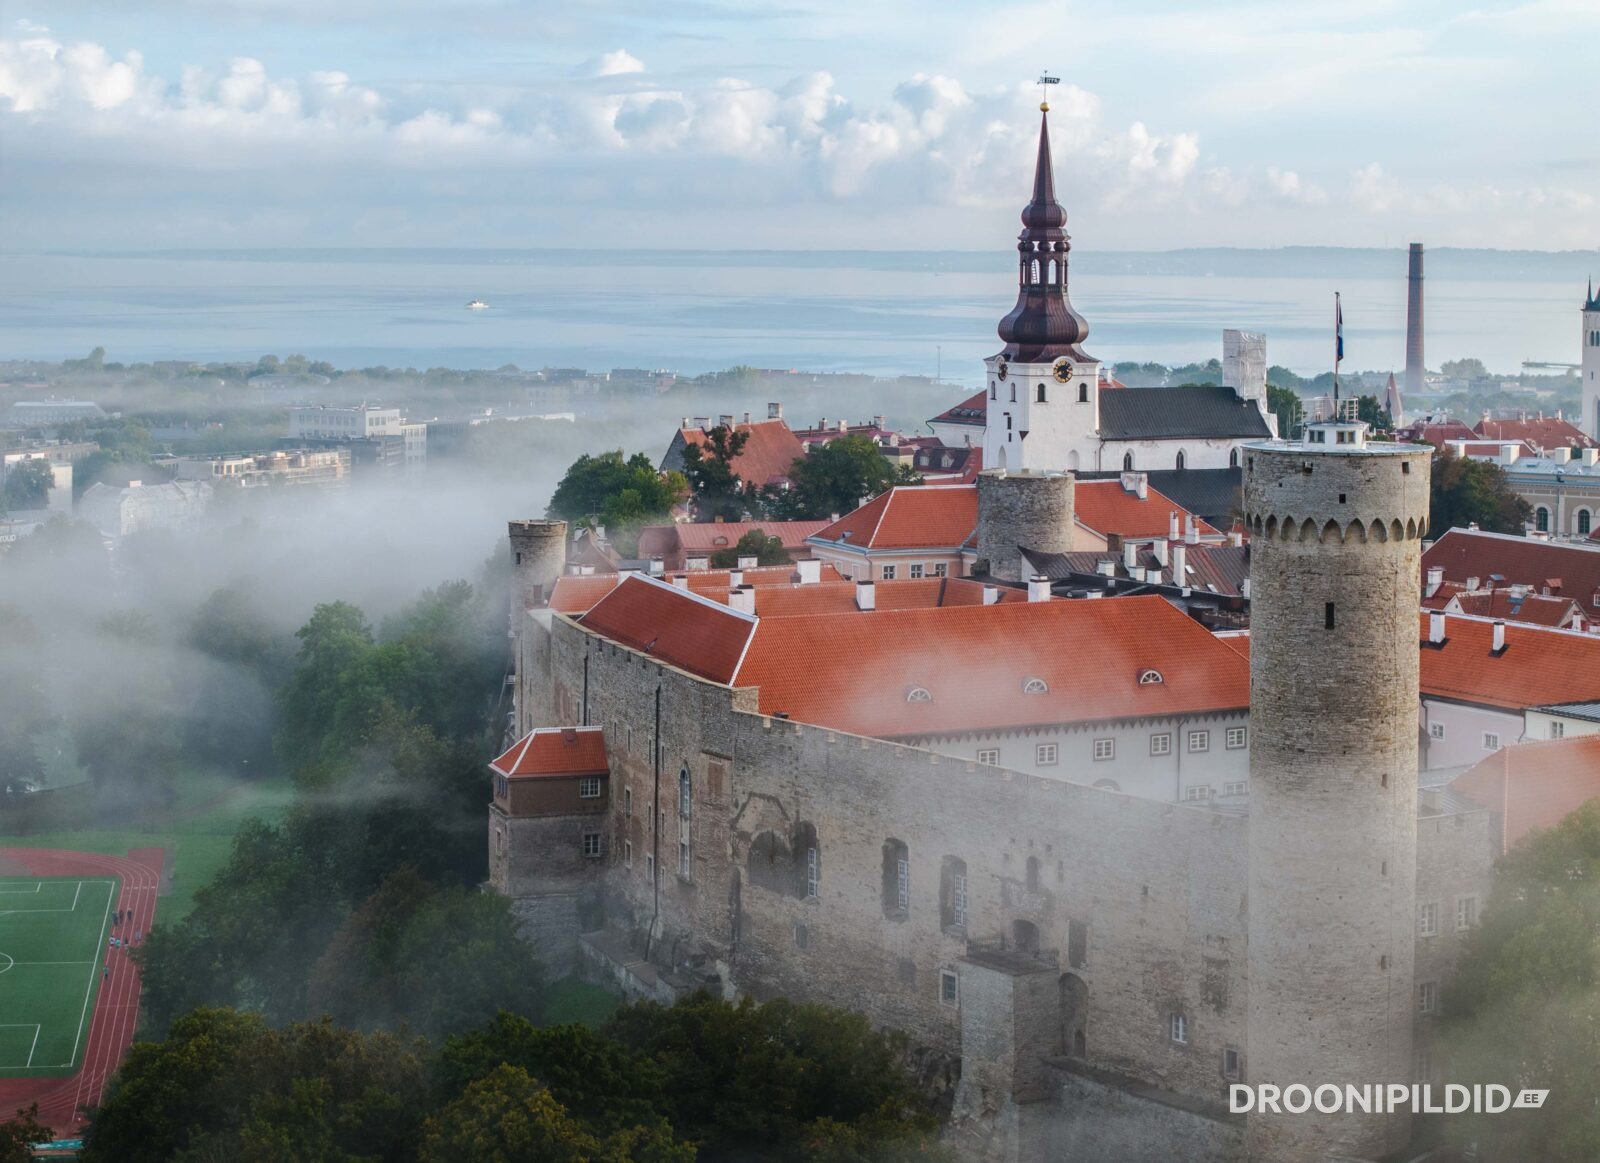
x,y
881,313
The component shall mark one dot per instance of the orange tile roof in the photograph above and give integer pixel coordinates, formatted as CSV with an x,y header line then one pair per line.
x,y
1541,432
840,597
1571,570
574,594
709,538
853,672
1441,597
1534,785
910,517
767,456
1107,507
1531,608
554,751
1539,666
674,626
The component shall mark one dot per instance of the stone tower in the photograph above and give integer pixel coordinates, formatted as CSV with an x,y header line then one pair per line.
x,y
1337,525
538,558
1590,368
1043,408
1017,510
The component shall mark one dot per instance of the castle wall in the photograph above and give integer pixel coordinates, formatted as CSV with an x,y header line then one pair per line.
x,y
1455,861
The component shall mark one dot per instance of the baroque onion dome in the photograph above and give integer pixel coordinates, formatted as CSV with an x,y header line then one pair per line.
x,y
1042,327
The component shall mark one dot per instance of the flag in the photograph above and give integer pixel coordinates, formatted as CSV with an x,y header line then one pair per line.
x,y
1338,329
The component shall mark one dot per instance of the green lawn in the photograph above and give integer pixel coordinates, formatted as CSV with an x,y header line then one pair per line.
x,y
52,945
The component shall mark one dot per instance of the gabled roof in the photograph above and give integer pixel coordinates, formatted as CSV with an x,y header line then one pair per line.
x,y
1107,507
840,597
972,411
674,626
708,537
909,517
1435,431
766,458
854,673
547,752
1538,666
1209,568
1568,569
1534,785
1531,608
575,594
1173,413
1212,493
1540,431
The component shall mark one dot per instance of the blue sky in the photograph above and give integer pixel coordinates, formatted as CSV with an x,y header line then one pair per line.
x,y
801,123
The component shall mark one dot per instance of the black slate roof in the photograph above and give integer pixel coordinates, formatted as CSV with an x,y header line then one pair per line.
x,y
1212,493
1173,413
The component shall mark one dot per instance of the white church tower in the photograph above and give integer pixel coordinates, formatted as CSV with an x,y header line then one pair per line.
x,y
1590,372
1043,391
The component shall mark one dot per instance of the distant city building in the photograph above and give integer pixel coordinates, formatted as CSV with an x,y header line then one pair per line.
x,y
50,413
58,499
280,468
117,512
376,437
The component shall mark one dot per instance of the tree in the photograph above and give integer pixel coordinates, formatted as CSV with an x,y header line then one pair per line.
x,y
755,543
1285,404
19,1133
1464,369
1463,491
837,478
27,485
619,494
1374,413
708,468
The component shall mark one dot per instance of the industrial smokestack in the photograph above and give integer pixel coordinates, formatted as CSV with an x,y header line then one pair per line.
x,y
1414,320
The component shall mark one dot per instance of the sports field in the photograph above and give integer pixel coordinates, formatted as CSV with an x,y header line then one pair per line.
x,y
54,932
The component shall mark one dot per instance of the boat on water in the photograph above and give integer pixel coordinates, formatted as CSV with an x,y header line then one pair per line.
x,y
477,305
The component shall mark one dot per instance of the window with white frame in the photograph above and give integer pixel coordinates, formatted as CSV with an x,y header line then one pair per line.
x,y
1427,997
989,755
812,869
1105,749
1161,743
1035,686
1199,740
1197,791
1428,919
1236,787
1435,730
958,899
591,843
949,987
1491,741
1558,729
1466,912
502,787
1046,754
1178,1029
1235,738
685,793
914,569
919,694
941,569
589,787
887,572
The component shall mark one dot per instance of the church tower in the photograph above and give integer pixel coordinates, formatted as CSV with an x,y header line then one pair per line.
x,y
1590,370
1043,391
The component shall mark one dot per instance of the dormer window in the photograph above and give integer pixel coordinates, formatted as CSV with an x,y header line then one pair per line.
x,y
1035,686
919,694
1148,677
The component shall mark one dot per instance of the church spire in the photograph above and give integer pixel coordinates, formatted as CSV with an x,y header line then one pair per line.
x,y
1043,327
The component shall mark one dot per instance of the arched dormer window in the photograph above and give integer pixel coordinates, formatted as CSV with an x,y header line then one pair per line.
x,y
1183,460
1148,677
919,694
994,393
1127,462
1041,396
1035,686
1233,459
1083,392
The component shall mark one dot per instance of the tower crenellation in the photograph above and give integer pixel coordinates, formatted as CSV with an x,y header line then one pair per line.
x,y
1337,528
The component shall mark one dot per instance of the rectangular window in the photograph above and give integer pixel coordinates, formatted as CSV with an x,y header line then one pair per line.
x,y
684,793
1230,1063
1161,744
627,801
1235,738
1466,912
1178,1029
627,854
915,569
683,859
949,988
958,899
1428,919
1236,787
1435,730
650,867
1427,997
887,572
1045,754
502,787
591,843
1558,729
990,755
811,874
1491,741
1197,791
1199,741
589,787
941,569
1105,749
902,883
1327,616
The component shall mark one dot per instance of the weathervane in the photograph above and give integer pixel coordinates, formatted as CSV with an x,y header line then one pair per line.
x,y
1046,79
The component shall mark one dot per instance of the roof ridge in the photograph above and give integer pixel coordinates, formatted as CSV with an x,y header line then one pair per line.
x,y
685,591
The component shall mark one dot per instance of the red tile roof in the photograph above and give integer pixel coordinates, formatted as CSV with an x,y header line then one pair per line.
x,y
1494,448
973,411
1436,433
1531,608
1534,785
674,626
1107,507
840,597
910,517
1441,597
575,594
555,751
1541,432
696,538
854,673
767,456
1574,569
1539,666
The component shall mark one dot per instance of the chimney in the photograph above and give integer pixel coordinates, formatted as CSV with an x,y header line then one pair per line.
x,y
1589,456
684,423
1038,588
1235,537
748,562
1105,567
1130,557
1191,529
1499,636
1172,525
657,567
1159,547
991,595
844,426
1561,455
1472,585
1436,625
810,570
681,580
1152,577
1414,365
877,422
747,419
586,570
1244,589
774,411
1114,544
725,419
866,595
735,578
1435,580
1180,561
742,599
702,421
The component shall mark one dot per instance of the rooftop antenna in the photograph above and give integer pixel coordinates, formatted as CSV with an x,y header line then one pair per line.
x,y
1046,79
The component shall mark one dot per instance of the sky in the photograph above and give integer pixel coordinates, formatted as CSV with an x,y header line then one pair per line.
x,y
795,124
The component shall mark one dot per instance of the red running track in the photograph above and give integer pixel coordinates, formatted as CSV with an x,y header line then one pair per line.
x,y
116,1010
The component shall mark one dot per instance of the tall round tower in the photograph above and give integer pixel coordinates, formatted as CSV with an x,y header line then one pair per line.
x,y
1337,525
1022,510
538,557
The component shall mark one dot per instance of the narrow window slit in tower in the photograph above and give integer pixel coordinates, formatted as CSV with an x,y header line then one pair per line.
x,y
1327,616
1384,779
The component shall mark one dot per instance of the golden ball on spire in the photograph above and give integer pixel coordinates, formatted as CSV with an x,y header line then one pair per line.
x,y
1044,106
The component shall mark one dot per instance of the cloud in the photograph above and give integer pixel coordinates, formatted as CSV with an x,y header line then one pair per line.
x,y
616,64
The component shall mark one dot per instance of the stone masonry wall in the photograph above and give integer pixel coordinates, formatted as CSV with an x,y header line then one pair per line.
x,y
1022,509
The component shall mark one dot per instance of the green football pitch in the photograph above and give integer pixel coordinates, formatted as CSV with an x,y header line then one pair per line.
x,y
53,934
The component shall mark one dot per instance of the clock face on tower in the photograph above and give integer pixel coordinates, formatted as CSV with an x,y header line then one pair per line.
x,y
1063,370
1001,370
